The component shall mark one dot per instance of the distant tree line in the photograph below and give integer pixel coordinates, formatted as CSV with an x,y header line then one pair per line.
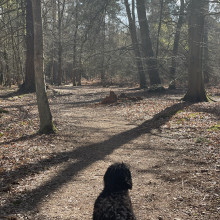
x,y
135,41
148,42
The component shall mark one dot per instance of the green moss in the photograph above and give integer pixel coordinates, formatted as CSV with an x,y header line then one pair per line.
x,y
54,128
201,140
193,115
180,120
186,117
210,99
49,129
203,97
180,111
214,128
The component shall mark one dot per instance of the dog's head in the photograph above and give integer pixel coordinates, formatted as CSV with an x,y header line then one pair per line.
x,y
118,177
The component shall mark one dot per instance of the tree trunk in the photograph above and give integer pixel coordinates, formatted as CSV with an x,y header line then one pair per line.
x,y
1,72
19,33
61,7
132,29
176,46
159,27
14,49
196,91
29,83
46,124
146,44
7,69
53,70
74,73
206,67
102,58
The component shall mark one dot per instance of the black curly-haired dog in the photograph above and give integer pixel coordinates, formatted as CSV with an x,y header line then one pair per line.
x,y
114,202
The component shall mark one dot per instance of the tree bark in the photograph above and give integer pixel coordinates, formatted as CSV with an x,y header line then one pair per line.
x,y
206,67
53,70
132,29
14,48
74,73
196,91
7,69
60,7
29,83
1,72
159,27
102,58
146,44
176,45
46,124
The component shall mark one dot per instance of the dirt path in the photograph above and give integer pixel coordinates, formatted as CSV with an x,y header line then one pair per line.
x,y
172,149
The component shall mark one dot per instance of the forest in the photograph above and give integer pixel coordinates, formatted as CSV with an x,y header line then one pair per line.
x,y
85,84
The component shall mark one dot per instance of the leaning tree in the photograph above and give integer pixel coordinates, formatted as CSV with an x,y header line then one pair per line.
x,y
46,124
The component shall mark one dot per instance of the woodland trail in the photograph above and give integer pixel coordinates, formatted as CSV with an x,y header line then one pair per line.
x,y
172,149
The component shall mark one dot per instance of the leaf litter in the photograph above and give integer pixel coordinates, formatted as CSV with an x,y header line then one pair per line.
x,y
175,165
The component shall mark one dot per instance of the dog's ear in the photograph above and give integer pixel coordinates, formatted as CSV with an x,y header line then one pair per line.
x,y
118,177
128,183
127,176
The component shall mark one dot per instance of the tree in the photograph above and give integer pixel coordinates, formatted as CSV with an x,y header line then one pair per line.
x,y
196,90
74,71
132,29
159,27
146,44
102,68
29,82
46,124
60,8
53,72
176,45
91,39
206,67
7,69
15,41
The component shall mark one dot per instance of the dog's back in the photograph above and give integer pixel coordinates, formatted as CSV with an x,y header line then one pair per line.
x,y
114,202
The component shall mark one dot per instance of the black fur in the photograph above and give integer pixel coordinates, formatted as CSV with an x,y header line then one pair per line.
x,y
114,202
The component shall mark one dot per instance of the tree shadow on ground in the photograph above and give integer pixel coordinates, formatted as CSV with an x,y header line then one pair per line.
x,y
212,110
23,138
79,104
147,94
13,94
84,157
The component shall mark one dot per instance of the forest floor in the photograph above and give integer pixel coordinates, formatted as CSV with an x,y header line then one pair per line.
x,y
172,147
